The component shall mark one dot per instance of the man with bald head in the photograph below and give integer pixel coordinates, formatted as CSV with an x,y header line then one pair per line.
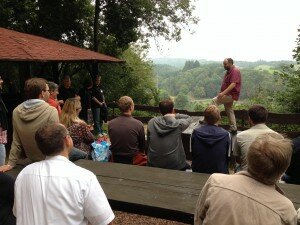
x,y
127,135
230,91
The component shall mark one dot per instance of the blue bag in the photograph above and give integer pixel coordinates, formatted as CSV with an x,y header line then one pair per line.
x,y
101,152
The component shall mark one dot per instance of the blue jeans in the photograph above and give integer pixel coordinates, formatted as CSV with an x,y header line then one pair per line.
x,y
97,121
2,154
77,154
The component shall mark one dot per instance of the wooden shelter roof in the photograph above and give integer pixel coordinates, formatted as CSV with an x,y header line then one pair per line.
x,y
17,46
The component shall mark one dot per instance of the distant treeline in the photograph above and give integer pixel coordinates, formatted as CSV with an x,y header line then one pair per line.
x,y
199,80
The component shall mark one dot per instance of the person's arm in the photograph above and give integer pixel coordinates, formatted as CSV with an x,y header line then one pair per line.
x,y
96,207
88,137
141,139
15,150
97,101
202,205
184,120
227,90
237,151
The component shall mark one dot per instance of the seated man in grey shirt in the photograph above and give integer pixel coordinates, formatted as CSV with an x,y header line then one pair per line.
x,y
164,136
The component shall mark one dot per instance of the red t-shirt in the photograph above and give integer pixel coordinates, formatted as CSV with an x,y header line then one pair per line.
x,y
55,104
232,76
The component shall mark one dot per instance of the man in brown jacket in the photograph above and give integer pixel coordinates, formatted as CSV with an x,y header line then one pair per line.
x,y
250,197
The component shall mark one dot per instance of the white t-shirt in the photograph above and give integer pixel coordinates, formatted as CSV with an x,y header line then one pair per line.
x,y
57,192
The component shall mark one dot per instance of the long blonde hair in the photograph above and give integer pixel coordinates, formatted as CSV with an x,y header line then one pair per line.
x,y
69,113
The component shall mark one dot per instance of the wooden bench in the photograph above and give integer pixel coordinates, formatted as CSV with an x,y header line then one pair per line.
x,y
161,193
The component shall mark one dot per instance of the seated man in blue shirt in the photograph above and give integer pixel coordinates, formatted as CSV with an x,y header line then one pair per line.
x,y
210,144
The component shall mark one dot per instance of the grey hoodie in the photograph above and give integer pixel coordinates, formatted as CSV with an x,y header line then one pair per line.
x,y
165,143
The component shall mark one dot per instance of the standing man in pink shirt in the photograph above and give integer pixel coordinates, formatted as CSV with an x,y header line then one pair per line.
x,y
230,91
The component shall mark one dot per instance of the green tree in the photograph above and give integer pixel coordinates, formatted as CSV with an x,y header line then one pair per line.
x,y
123,22
289,95
114,25
163,94
190,64
181,101
135,78
61,20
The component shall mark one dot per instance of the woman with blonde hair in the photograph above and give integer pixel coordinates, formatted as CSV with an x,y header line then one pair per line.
x,y
79,130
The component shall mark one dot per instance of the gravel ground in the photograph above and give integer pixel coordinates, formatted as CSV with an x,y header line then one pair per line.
x,y
130,219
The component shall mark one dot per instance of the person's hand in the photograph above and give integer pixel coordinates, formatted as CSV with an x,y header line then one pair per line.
x,y
5,168
90,127
220,95
61,102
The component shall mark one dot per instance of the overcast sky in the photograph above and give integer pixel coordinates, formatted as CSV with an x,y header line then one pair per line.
x,y
241,29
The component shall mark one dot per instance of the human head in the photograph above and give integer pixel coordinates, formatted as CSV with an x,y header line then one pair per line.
x,y
257,114
36,88
97,80
212,115
166,106
268,157
53,89
52,139
66,81
227,63
126,104
70,111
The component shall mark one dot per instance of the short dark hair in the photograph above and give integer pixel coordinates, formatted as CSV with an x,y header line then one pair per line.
x,y
34,87
230,60
166,106
258,114
50,138
212,114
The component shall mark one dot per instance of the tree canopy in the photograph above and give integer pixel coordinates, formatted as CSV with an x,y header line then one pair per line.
x,y
121,22
118,24
290,95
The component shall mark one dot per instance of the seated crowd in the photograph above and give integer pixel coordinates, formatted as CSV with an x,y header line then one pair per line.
x,y
47,136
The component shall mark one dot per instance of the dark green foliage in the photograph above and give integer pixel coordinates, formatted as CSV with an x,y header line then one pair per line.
x,y
191,64
181,101
135,78
119,24
289,97
205,82
62,20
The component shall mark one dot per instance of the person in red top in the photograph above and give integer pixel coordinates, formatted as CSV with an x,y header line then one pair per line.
x,y
53,89
230,91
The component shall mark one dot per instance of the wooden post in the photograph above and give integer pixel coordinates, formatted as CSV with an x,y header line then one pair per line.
x,y
24,73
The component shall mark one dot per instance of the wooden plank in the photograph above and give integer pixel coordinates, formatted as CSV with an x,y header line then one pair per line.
x,y
145,174
155,192
292,192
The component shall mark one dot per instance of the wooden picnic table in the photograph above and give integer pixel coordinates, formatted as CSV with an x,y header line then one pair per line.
x,y
156,192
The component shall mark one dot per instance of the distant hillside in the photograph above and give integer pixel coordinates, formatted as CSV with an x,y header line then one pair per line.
x,y
180,62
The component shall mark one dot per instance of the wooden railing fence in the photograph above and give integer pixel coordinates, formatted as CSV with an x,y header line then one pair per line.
x,y
280,119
